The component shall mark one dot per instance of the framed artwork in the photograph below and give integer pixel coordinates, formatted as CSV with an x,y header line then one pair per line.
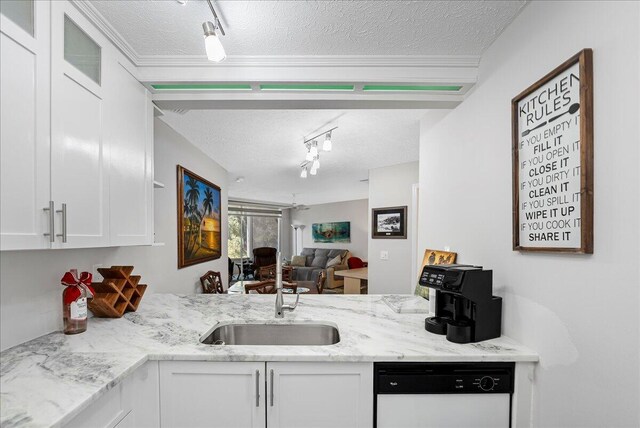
x,y
389,223
331,232
552,150
199,208
434,257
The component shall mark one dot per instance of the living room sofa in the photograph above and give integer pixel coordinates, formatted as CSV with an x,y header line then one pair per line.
x,y
316,260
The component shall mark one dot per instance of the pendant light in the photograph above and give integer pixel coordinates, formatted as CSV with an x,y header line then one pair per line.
x,y
326,146
212,43
316,163
314,149
303,173
309,156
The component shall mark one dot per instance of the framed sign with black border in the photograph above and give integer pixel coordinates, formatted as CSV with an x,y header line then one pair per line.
x,y
552,150
389,223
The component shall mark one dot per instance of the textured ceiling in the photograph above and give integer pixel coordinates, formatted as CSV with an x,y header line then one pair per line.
x,y
265,147
313,27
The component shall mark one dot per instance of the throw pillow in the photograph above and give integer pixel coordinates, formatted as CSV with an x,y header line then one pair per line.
x,y
337,260
298,261
319,262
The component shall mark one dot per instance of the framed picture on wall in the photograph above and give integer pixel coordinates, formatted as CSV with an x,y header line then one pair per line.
x,y
389,223
433,257
199,226
552,150
338,231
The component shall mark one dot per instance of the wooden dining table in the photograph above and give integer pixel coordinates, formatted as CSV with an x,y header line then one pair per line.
x,y
353,279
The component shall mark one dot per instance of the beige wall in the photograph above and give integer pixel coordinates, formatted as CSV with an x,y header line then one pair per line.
x,y
390,187
579,312
30,291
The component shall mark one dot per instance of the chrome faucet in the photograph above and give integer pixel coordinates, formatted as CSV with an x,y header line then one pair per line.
x,y
280,306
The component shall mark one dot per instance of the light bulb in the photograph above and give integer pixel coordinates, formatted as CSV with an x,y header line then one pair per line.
x,y
326,146
309,156
314,149
313,171
316,164
212,43
303,174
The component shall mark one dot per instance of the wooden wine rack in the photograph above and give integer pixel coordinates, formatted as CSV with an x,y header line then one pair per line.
x,y
118,293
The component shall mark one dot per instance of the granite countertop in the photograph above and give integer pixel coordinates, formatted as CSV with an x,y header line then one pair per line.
x,y
49,380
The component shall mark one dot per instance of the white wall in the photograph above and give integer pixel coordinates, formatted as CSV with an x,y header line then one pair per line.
x,y
30,290
580,312
391,187
352,211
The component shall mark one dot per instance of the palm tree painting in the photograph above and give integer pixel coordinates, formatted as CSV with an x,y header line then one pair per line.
x,y
199,208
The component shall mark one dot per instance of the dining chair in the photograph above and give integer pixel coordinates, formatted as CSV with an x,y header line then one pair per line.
x,y
269,287
262,287
269,272
212,283
320,285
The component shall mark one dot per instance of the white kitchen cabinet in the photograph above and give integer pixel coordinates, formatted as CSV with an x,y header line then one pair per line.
x,y
79,154
308,394
76,132
319,394
133,403
129,135
212,394
24,124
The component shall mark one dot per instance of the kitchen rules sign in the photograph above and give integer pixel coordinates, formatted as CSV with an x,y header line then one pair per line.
x,y
552,126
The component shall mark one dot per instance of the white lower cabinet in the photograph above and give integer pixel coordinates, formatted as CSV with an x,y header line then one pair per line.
x,y
133,403
246,394
206,394
312,394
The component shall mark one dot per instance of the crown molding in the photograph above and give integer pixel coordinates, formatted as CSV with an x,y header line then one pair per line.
x,y
364,61
107,29
463,63
272,61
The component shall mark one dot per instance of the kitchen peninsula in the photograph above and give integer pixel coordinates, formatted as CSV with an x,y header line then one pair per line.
x,y
51,380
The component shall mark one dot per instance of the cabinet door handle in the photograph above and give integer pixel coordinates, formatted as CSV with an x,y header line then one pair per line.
x,y
52,223
271,387
257,388
64,223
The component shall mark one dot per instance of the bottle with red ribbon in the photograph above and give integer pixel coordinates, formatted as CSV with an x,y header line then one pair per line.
x,y
74,300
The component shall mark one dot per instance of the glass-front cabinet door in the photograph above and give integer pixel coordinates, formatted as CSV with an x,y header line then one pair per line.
x,y
79,155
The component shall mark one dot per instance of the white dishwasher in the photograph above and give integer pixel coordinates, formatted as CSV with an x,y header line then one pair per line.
x,y
442,395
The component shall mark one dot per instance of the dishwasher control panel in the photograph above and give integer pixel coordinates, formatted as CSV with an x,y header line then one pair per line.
x,y
444,378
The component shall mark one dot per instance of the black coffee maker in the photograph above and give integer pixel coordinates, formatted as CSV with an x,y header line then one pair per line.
x,y
466,310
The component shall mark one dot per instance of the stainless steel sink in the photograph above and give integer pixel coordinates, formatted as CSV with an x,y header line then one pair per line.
x,y
289,334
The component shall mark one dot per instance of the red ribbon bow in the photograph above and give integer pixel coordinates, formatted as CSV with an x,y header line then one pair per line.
x,y
71,279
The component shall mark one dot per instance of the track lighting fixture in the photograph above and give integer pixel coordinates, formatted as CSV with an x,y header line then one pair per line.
x,y
311,162
212,43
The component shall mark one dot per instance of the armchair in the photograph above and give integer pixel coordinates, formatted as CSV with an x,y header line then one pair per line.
x,y
263,256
